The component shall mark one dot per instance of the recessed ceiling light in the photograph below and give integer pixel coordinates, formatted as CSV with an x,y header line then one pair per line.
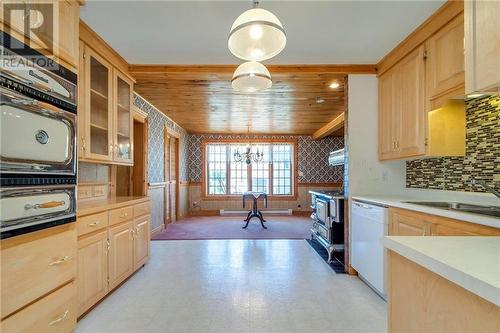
x,y
334,85
320,100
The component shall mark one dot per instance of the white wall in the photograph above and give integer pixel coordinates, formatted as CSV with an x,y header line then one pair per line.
x,y
367,175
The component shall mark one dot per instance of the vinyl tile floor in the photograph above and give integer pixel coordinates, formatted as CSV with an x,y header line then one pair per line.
x,y
237,286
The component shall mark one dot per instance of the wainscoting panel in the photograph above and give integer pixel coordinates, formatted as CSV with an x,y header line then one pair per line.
x,y
197,204
183,199
157,195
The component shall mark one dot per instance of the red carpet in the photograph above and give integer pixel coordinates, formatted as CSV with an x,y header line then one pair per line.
x,y
230,227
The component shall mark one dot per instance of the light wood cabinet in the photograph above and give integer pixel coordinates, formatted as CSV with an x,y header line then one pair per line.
x,y
482,46
55,312
411,134
34,264
402,117
415,115
57,35
123,149
445,63
106,123
112,245
92,269
403,222
141,240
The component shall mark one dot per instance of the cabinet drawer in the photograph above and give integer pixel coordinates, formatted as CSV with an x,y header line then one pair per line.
x,y
120,215
42,262
55,312
142,209
91,223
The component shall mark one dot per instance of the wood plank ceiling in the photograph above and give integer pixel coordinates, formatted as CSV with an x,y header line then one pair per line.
x,y
201,100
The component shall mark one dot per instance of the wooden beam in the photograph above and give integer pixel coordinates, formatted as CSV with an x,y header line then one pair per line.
x,y
274,69
436,21
329,128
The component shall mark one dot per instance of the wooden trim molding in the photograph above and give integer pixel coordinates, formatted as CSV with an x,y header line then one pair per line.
x,y
276,69
139,115
204,143
99,45
329,128
442,16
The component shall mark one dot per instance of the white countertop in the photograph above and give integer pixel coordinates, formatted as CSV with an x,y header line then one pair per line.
x,y
471,262
399,201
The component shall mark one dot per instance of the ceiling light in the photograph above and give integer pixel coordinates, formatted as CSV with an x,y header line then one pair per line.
x,y
256,35
251,77
320,100
334,85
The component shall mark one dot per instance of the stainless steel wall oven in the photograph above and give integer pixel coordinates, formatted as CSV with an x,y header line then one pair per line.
x,y
38,162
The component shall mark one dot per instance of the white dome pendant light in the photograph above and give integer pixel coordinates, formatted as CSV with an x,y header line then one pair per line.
x,y
256,35
251,77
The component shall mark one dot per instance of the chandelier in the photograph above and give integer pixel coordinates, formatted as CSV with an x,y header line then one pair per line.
x,y
248,156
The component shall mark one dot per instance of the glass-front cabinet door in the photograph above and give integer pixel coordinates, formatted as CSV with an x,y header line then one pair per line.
x,y
98,107
123,119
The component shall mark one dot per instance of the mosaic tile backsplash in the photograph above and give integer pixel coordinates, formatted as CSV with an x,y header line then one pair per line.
x,y
312,156
482,154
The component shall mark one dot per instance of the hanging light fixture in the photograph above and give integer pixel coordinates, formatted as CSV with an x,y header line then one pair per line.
x,y
256,35
251,77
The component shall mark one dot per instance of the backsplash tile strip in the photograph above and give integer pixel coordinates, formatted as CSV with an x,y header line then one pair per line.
x,y
482,154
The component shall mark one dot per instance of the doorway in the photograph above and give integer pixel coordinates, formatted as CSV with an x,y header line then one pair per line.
x,y
140,168
171,163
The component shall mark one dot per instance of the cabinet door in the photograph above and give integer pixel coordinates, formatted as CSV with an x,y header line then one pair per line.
x,y
120,256
389,124
98,107
92,270
123,118
413,113
445,60
404,223
141,241
482,55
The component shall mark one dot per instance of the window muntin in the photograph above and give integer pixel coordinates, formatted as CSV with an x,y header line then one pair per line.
x,y
273,175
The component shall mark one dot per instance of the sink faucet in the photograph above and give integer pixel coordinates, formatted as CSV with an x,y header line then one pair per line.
x,y
487,187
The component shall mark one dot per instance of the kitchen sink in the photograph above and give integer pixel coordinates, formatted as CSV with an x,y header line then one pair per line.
x,y
462,207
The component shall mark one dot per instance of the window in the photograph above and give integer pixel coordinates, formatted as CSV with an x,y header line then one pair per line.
x,y
273,175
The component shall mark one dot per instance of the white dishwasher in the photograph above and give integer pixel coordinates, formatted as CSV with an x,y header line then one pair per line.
x,y
368,256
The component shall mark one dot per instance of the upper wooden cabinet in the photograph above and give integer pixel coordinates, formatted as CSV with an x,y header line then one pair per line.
x,y
415,117
105,119
58,40
445,63
482,46
401,108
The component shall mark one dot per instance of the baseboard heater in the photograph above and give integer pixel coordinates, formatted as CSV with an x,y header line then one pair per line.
x,y
264,211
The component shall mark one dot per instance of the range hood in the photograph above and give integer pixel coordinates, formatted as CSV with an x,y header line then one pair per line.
x,y
336,157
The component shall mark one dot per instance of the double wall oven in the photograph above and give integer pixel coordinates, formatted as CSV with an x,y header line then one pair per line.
x,y
328,220
38,160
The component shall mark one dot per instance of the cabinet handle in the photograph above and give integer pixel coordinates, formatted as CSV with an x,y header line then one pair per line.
x,y
49,204
93,224
60,261
61,318
84,144
108,245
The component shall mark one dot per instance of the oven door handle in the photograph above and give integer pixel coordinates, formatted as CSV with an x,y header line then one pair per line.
x,y
49,204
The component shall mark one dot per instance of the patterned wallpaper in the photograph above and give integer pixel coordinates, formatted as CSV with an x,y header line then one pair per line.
x,y
482,153
312,156
157,122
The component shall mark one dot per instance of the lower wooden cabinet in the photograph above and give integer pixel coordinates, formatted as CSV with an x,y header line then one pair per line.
x,y
92,269
53,313
403,222
141,241
121,252
109,255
